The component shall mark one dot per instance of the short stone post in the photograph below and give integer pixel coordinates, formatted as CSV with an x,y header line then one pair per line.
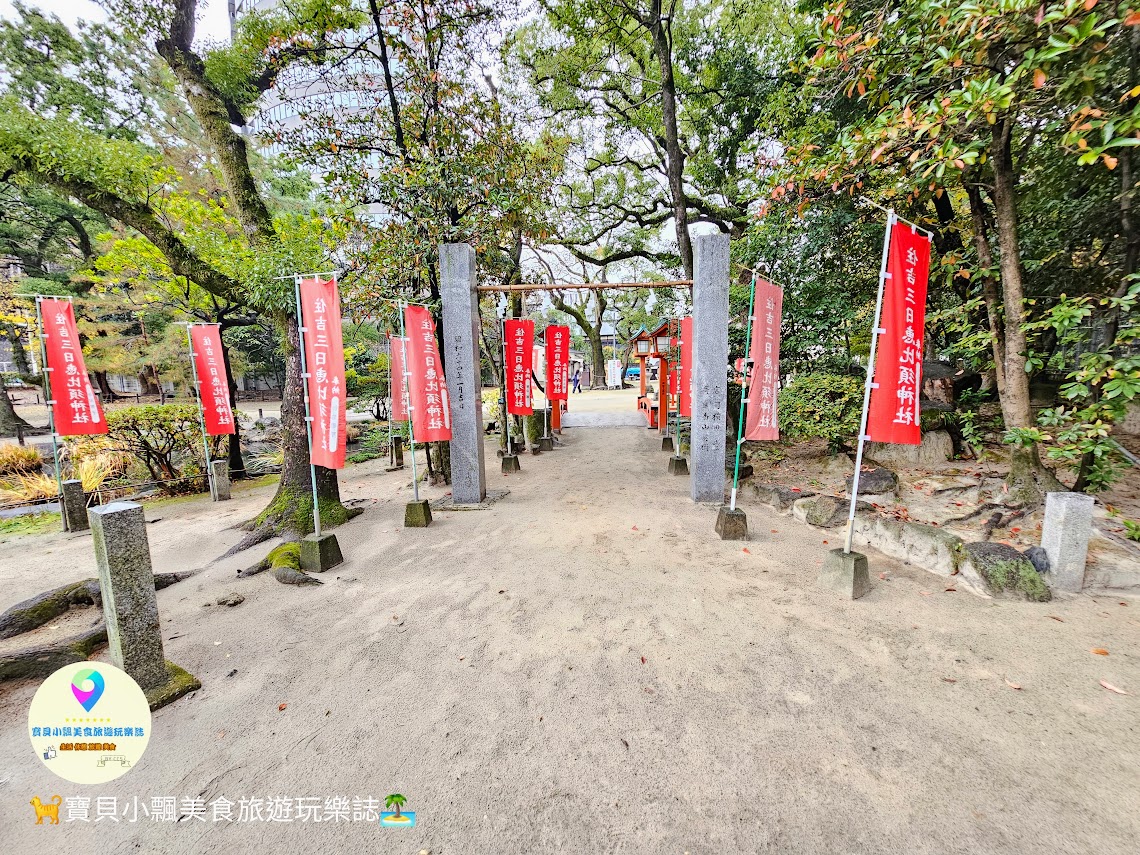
x,y
1065,538
710,367
397,452
845,573
74,507
126,580
221,472
461,358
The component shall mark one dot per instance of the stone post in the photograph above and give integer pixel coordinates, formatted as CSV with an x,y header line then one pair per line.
x,y
221,472
710,367
126,580
461,357
74,507
1065,538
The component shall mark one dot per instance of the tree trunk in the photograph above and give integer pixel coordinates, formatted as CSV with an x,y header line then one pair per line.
x,y
661,30
989,286
1028,478
9,420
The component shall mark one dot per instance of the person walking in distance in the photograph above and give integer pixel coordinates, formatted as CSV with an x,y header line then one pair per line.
x,y
577,381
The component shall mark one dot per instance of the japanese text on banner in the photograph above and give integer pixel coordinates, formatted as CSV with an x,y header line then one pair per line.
x,y
557,362
75,409
213,385
519,343
324,357
893,415
398,387
764,384
685,369
427,387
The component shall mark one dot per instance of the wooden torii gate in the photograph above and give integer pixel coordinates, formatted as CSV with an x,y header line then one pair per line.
x,y
460,295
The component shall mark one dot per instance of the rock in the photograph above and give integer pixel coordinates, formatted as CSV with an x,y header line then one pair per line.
x,y
231,600
780,498
1038,558
937,447
825,511
837,464
876,482
1006,570
924,546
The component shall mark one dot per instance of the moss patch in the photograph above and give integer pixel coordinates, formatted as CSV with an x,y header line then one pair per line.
x,y
1018,576
30,524
180,682
285,555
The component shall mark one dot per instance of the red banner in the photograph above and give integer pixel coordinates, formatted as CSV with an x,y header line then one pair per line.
x,y
213,385
398,384
894,412
764,384
75,409
519,338
685,369
427,387
557,363
324,359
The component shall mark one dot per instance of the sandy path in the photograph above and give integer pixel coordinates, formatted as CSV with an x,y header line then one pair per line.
x,y
490,669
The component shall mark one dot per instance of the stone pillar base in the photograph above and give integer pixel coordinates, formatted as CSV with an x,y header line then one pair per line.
x,y
74,507
678,465
179,683
732,525
417,514
318,554
845,573
667,443
546,443
511,464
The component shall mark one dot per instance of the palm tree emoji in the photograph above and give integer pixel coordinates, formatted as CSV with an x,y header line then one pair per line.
x,y
395,801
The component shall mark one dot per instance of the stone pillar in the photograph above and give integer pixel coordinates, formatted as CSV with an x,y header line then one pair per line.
x,y
1065,538
74,506
710,367
461,357
220,469
126,580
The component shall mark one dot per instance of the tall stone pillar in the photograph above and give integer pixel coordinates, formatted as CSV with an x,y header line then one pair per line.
x,y
461,356
1065,535
74,506
710,367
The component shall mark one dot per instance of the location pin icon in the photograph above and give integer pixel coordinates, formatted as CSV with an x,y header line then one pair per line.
x,y
87,686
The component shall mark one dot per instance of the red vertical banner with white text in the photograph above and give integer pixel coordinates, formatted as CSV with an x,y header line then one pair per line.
x,y
519,337
398,385
764,384
324,359
427,387
557,362
893,415
75,409
685,370
213,385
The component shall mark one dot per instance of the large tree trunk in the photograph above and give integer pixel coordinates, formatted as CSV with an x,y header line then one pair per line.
x,y
1028,478
989,286
661,30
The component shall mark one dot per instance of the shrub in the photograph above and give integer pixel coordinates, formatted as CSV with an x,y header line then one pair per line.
x,y
827,406
19,459
29,487
166,439
535,426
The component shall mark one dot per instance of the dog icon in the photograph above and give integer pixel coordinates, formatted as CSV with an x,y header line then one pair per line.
x,y
51,810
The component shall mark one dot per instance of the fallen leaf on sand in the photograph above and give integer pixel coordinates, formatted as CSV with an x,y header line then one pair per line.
x,y
643,660
774,531
1012,685
1099,651
1054,617
951,591
925,593
948,680
280,707
1113,688
825,541
626,744
461,658
1015,530
635,528
884,576
746,552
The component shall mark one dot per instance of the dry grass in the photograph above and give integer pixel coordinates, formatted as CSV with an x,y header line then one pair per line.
x,y
18,459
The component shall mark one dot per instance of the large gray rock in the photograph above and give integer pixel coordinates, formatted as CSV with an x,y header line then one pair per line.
x,y
924,546
877,482
780,498
825,511
1006,570
937,447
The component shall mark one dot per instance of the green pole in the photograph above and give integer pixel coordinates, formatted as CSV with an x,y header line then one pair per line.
x,y
44,371
744,392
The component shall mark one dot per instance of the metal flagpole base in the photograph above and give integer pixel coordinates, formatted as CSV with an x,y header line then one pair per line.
x,y
731,524
511,464
845,573
319,553
417,514
678,465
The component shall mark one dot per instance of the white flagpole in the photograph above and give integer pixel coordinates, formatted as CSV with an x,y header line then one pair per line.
x,y
875,333
51,409
411,406
201,415
308,412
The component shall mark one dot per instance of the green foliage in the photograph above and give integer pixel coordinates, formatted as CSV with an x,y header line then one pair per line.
x,y
373,445
287,555
828,406
535,426
29,524
166,440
